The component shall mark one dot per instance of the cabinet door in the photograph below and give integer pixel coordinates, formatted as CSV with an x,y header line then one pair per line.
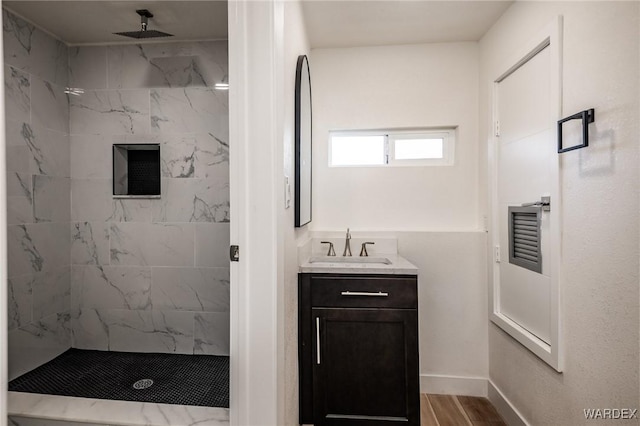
x,y
365,367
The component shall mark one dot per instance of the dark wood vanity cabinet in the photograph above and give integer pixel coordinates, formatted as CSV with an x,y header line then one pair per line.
x,y
358,349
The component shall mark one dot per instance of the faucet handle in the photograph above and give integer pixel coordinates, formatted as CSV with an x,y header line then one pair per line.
x,y
363,250
331,251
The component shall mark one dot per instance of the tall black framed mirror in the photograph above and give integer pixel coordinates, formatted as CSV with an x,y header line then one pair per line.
x,y
303,143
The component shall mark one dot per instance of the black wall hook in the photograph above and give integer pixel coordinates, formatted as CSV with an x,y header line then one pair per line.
x,y
587,116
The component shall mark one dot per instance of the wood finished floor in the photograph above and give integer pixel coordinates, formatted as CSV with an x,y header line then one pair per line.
x,y
450,410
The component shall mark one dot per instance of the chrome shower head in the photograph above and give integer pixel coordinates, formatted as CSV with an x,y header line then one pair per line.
x,y
144,33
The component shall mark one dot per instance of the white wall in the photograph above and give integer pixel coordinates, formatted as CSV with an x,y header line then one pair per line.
x,y
295,44
431,210
600,255
452,309
427,85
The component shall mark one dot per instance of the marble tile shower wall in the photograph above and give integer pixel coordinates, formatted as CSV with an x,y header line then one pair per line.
x,y
38,194
150,275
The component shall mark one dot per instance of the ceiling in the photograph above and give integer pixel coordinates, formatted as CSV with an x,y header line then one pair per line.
x,y
93,22
330,23
388,22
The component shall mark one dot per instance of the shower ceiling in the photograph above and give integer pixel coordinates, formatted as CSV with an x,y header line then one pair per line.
x,y
329,23
92,22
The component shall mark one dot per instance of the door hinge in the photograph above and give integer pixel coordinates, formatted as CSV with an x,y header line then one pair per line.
x,y
496,254
497,128
234,253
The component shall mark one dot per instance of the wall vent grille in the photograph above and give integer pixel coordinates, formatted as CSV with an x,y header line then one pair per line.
x,y
524,238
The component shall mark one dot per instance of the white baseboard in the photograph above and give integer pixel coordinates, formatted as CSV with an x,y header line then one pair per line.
x,y
453,385
508,412
473,386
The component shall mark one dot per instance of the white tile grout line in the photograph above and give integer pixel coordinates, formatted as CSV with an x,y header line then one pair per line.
x,y
461,408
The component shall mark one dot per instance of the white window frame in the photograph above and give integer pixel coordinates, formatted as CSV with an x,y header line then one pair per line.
x,y
357,133
447,134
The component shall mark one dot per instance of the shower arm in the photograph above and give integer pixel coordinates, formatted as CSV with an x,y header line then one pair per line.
x,y
144,18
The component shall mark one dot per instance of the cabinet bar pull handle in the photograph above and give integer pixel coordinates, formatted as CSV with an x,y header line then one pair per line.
x,y
364,293
318,340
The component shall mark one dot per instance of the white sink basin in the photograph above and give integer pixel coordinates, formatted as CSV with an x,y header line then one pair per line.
x,y
347,259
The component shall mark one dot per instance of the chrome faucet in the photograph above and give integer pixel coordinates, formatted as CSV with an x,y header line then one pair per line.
x,y
331,251
347,245
363,250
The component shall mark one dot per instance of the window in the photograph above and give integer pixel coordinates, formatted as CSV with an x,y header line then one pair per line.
x,y
391,148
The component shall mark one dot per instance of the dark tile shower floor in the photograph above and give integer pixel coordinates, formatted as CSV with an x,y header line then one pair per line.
x,y
177,379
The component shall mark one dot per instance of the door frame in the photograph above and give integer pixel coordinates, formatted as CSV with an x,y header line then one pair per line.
x,y
256,110
549,37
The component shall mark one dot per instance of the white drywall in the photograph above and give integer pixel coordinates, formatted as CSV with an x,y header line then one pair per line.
x,y
295,43
452,305
427,85
432,211
600,212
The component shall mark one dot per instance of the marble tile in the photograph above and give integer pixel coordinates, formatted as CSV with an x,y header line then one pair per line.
x,y
192,200
151,331
114,412
190,110
88,67
32,50
19,210
51,292
36,296
91,157
190,289
49,106
51,198
137,138
17,156
17,94
195,156
152,244
178,157
19,301
19,185
111,287
168,64
91,200
212,158
134,66
37,150
26,421
19,198
37,343
211,333
90,243
89,329
215,58
132,210
110,112
17,39
37,247
212,245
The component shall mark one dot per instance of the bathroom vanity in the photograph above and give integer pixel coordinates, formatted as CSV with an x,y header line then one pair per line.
x,y
358,342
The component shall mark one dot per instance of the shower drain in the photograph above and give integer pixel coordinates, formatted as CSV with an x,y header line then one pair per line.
x,y
143,384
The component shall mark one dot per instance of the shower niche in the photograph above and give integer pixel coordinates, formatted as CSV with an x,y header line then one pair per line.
x,y
136,171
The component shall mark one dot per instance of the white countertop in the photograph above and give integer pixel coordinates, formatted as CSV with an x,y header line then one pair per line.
x,y
104,411
398,266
